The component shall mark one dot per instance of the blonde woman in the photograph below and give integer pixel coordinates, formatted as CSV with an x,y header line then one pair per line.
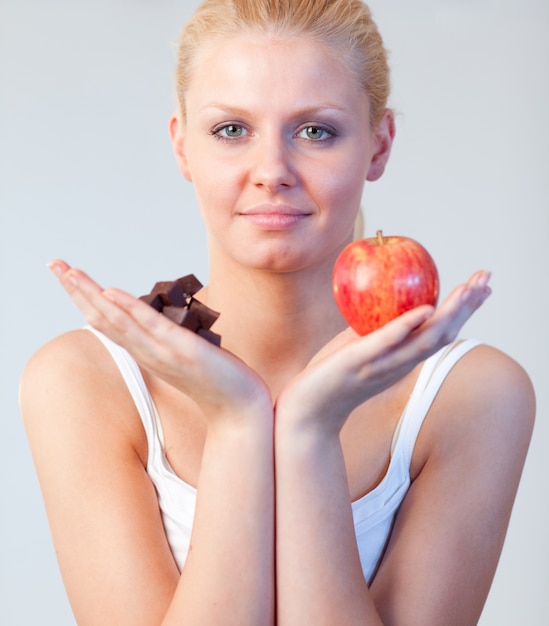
x,y
300,474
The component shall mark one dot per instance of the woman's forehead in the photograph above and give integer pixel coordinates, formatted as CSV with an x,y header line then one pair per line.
x,y
267,62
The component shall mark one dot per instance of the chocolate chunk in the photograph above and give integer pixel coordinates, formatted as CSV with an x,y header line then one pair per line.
x,y
206,315
189,285
154,301
170,292
182,316
174,299
210,336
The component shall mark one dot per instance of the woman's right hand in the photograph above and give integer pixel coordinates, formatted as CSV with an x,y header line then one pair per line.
x,y
112,545
219,382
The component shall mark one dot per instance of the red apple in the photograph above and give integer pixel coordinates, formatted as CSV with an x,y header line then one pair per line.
x,y
379,278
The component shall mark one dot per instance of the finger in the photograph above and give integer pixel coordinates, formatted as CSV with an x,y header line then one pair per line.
x,y
473,292
377,342
445,325
79,286
393,334
419,333
58,267
177,355
458,307
102,308
371,363
151,321
141,328
477,288
423,330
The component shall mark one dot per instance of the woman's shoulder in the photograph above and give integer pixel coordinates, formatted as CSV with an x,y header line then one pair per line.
x,y
487,377
67,358
477,434
72,382
79,342
488,397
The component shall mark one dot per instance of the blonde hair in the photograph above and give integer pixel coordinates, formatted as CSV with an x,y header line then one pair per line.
x,y
346,26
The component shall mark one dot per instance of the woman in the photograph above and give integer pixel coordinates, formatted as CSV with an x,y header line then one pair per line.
x,y
300,474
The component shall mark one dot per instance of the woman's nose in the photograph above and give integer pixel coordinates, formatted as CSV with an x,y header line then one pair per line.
x,y
272,165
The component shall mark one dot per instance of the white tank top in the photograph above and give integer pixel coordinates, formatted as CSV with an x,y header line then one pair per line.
x,y
373,514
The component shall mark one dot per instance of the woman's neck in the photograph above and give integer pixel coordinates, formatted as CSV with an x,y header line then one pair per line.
x,y
275,322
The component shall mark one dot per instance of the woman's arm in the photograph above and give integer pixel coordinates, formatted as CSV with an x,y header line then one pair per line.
x,y
87,443
319,576
319,579
450,530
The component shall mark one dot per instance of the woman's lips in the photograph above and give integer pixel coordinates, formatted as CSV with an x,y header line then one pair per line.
x,y
274,217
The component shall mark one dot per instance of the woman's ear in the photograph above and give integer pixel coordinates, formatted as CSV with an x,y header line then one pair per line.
x,y
176,128
383,138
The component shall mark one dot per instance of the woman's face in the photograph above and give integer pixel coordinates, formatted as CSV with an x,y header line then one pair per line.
x,y
278,145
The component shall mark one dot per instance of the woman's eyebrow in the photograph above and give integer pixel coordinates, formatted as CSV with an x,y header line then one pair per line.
x,y
304,111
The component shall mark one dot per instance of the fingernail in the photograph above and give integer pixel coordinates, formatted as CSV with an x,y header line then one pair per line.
x,y
483,280
480,291
55,268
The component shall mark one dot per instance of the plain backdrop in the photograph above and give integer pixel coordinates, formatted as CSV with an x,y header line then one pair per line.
x,y
87,174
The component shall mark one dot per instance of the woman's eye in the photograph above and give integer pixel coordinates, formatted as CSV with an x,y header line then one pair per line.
x,y
315,133
230,131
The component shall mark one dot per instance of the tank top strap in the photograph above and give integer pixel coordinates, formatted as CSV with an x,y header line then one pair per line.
x,y
432,375
135,383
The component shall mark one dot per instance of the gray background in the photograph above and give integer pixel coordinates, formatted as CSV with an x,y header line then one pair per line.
x,y
86,174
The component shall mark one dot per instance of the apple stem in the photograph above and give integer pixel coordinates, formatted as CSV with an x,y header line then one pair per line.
x,y
379,235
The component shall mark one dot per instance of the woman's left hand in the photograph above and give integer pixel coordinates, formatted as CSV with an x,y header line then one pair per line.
x,y
351,369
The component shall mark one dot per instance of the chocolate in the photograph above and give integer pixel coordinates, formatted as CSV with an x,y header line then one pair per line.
x,y
206,315
175,299
189,284
154,301
210,336
170,293
183,317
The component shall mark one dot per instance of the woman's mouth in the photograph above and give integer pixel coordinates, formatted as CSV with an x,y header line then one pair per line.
x,y
274,216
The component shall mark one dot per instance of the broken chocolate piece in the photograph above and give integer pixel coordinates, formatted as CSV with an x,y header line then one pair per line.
x,y
189,285
206,315
154,301
175,300
210,336
170,292
183,316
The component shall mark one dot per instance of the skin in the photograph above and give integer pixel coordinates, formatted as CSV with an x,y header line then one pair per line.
x,y
294,390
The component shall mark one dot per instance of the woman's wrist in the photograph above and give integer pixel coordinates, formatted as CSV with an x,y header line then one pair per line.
x,y
304,429
254,418
296,418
